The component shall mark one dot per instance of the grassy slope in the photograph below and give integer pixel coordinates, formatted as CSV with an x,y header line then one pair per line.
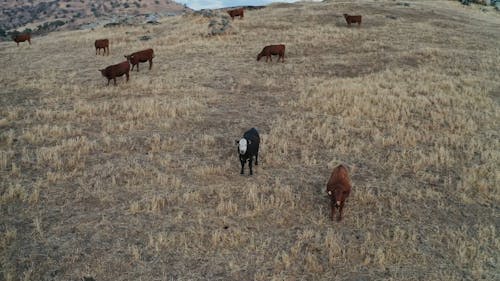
x,y
140,181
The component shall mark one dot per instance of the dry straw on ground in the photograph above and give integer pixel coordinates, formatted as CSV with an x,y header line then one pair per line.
x,y
141,181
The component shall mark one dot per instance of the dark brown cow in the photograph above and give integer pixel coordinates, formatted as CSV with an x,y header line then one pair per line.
x,y
116,70
101,44
141,56
21,38
338,188
352,19
273,50
236,13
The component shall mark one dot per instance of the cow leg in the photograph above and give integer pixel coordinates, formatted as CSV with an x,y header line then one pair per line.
x,y
96,51
138,67
332,205
250,165
108,81
150,64
29,41
132,69
340,211
257,157
114,80
242,166
127,74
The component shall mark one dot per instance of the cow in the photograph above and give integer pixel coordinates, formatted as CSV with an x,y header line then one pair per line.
x,y
21,38
141,56
352,19
116,70
101,44
248,147
236,12
273,50
338,189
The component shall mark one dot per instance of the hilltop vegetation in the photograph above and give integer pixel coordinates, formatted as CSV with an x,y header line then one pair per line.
x,y
141,181
21,14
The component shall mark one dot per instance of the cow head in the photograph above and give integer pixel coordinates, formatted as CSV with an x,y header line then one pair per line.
x,y
346,16
338,196
243,145
128,57
103,72
260,55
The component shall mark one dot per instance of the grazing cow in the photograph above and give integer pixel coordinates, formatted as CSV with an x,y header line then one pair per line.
x,y
248,147
273,50
101,44
338,188
21,38
141,56
236,13
116,70
352,19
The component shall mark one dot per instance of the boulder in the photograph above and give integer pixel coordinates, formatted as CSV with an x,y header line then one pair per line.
x,y
221,24
152,19
206,13
145,38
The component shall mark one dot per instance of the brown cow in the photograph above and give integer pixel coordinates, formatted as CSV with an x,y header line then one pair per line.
x,y
273,50
21,38
141,56
101,44
338,188
236,13
352,19
116,70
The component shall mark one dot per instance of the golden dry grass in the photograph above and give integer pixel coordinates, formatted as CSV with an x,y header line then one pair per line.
x,y
141,181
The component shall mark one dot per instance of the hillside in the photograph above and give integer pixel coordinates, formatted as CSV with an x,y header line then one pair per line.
x,y
31,13
141,181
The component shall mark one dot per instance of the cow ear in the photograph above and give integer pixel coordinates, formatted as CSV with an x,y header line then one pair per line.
x,y
236,141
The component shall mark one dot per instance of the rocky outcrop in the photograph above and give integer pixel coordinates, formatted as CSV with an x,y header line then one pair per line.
x,y
220,24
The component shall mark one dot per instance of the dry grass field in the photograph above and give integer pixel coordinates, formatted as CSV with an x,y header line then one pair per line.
x,y
141,181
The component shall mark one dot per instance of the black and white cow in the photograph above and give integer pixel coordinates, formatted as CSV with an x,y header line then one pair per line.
x,y
248,147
